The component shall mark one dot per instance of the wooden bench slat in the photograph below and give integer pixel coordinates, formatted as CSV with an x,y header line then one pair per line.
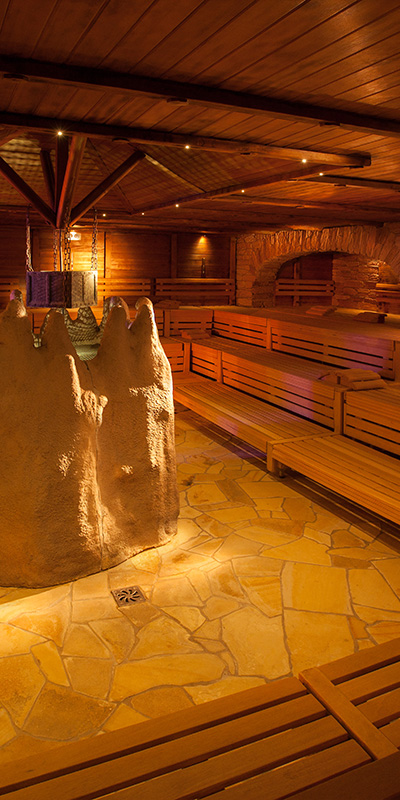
x,y
392,732
376,781
382,709
363,662
360,689
79,755
303,773
221,755
338,703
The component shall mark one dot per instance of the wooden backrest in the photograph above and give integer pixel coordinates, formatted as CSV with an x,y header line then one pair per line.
x,y
373,417
242,327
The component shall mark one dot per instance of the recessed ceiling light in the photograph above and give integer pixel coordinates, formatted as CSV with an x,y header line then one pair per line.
x,y
176,205
187,146
142,213
304,161
60,133
104,215
242,190
321,173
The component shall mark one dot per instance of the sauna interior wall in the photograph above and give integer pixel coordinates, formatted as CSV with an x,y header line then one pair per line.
x,y
123,253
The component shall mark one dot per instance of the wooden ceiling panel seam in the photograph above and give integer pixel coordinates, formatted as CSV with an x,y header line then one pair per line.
x,y
297,66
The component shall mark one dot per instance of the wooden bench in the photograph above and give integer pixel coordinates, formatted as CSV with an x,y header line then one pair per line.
x,y
353,470
329,344
285,381
388,297
206,291
127,288
373,417
241,326
177,353
178,320
273,741
298,287
251,420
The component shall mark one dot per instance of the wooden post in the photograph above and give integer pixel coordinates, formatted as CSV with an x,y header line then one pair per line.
x,y
396,360
338,409
167,322
268,335
174,255
232,270
218,367
187,351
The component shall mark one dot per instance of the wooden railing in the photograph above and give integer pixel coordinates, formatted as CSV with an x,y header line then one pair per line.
x,y
388,297
297,288
204,291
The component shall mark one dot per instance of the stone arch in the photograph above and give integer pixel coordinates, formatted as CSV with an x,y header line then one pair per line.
x,y
259,256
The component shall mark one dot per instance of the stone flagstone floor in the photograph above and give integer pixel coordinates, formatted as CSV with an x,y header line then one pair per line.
x,y
259,583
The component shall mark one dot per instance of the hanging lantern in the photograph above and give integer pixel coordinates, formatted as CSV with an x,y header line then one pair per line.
x,y
62,287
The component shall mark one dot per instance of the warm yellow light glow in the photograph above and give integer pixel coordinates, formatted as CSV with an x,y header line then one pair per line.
x,y
104,215
187,146
142,213
321,173
242,191
60,133
304,160
176,205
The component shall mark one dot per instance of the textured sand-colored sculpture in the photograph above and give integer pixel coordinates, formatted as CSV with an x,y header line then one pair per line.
x,y
87,459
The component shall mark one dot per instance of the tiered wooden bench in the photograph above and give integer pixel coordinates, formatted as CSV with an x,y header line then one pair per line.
x,y
373,417
353,470
241,326
285,381
251,420
339,344
298,287
336,725
206,291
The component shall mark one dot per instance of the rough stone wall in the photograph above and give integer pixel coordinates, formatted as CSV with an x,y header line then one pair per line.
x,y
87,457
355,279
259,256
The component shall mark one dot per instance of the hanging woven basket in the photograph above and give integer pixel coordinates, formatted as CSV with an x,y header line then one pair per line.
x,y
71,289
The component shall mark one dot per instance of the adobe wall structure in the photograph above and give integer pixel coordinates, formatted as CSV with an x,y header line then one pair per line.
x,y
363,255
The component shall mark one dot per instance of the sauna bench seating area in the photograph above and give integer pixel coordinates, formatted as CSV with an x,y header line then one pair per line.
x,y
332,732
245,385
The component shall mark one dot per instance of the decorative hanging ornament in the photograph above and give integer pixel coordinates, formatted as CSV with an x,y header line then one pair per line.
x,y
63,287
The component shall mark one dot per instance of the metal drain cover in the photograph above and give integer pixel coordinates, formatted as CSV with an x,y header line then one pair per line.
x,y
128,595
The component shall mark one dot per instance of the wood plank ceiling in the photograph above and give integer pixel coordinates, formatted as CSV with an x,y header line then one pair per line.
x,y
237,106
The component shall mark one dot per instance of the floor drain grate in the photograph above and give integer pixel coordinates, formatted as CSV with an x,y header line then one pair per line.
x,y
128,595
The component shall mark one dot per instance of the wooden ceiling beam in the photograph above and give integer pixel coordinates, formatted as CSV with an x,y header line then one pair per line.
x,y
30,195
362,183
167,139
159,165
62,150
237,187
299,203
176,91
108,183
48,174
8,135
71,174
102,167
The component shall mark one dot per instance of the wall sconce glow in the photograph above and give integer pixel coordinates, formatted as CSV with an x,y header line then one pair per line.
x,y
74,236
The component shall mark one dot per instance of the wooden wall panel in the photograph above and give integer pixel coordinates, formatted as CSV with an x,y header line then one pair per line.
x,y
12,251
194,247
81,251
142,255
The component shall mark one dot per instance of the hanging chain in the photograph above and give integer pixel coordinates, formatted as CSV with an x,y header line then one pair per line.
x,y
67,247
55,234
94,241
28,252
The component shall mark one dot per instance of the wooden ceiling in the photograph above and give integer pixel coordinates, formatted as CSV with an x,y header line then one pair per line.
x,y
236,107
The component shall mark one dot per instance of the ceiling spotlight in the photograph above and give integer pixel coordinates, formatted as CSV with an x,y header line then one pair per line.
x,y
242,190
304,161
142,213
60,133
187,146
104,215
176,205
321,173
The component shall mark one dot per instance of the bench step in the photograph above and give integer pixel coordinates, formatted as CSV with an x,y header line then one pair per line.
x,y
365,476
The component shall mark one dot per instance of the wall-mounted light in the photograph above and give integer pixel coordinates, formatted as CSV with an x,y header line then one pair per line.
x,y
74,236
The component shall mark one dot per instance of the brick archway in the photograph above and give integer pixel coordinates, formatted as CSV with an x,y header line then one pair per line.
x,y
259,256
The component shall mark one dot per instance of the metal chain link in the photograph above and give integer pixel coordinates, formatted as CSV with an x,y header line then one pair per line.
x,y
94,241
67,247
28,252
55,234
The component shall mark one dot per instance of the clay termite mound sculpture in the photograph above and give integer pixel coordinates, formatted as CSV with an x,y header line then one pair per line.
x,y
87,458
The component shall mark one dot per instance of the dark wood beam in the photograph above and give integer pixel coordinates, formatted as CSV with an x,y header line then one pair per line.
x,y
196,93
159,165
105,186
104,171
237,187
62,149
7,135
71,174
300,203
30,195
362,183
145,136
48,174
